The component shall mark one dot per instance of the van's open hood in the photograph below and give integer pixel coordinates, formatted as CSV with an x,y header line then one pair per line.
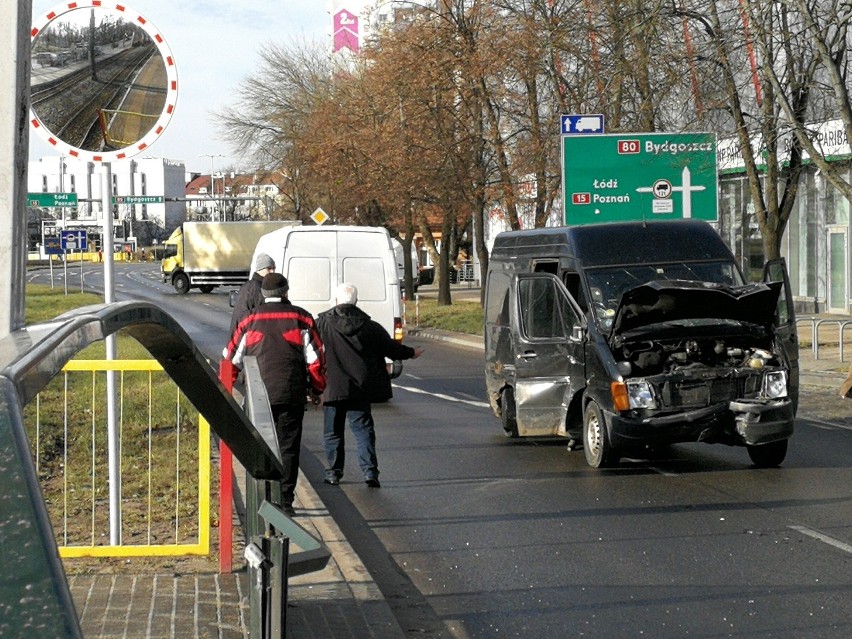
x,y
672,300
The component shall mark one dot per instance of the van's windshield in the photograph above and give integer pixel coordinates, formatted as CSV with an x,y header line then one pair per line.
x,y
606,285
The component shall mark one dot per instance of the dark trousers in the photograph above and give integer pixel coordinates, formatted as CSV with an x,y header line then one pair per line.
x,y
361,423
288,429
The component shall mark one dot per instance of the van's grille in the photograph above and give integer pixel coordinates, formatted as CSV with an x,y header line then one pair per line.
x,y
692,393
703,393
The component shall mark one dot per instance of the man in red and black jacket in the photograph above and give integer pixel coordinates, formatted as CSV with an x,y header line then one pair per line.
x,y
289,353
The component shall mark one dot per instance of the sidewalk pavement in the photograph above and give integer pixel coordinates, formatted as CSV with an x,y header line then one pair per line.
x,y
341,601
338,602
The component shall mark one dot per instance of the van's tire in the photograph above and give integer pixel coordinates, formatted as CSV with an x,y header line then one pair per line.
x,y
769,455
596,447
508,415
206,288
181,283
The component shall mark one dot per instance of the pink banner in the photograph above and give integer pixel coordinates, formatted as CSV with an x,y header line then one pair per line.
x,y
345,31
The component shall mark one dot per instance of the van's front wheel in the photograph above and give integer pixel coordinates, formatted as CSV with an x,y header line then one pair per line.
x,y
768,455
508,415
596,447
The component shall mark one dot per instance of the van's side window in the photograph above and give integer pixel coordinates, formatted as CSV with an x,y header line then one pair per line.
x,y
545,310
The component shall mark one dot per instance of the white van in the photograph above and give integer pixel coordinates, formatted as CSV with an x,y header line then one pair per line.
x,y
315,259
399,254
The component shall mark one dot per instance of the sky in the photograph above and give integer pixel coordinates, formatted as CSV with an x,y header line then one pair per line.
x,y
215,46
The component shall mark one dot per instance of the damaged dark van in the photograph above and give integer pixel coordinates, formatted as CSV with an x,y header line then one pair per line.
x,y
631,336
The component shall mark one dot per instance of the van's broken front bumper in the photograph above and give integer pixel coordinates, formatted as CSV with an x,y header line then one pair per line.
x,y
739,422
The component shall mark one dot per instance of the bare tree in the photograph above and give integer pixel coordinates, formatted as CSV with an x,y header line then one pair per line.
x,y
824,34
267,122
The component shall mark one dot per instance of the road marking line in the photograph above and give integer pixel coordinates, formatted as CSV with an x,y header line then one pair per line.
x,y
449,398
656,469
664,473
824,538
820,422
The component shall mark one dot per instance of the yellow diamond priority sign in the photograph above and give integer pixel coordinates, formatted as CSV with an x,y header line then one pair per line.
x,y
319,216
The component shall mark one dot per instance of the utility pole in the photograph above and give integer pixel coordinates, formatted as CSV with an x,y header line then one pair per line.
x,y
15,22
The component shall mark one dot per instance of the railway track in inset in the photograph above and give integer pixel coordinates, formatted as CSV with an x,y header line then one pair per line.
x,y
71,108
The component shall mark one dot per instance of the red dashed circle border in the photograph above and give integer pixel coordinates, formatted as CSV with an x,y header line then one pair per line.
x,y
41,22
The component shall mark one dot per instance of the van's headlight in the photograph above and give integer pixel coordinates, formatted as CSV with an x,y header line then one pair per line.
x,y
640,394
774,385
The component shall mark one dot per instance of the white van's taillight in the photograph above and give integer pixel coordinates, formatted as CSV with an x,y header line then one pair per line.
x,y
397,329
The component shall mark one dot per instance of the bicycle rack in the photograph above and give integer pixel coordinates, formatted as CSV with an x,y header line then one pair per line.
x,y
816,323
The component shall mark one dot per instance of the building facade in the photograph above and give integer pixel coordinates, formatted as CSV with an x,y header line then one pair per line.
x,y
815,243
139,224
816,240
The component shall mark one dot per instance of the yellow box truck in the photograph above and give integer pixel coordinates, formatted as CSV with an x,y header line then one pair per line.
x,y
205,255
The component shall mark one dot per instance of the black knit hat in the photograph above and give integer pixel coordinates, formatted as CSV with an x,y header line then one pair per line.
x,y
274,285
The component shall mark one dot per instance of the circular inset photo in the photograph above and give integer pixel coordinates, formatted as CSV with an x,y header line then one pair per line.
x,y
103,81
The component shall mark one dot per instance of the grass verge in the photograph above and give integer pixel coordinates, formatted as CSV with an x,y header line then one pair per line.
x,y
458,317
67,428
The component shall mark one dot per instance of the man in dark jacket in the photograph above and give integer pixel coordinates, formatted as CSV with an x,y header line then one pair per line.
x,y
355,351
289,353
250,297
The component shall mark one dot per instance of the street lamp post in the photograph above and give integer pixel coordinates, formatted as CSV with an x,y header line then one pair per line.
x,y
211,156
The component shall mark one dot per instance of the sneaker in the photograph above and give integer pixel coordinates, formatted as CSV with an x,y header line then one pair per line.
x,y
333,481
373,482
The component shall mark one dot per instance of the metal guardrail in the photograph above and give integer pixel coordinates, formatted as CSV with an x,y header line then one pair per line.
x,y
270,531
817,338
34,592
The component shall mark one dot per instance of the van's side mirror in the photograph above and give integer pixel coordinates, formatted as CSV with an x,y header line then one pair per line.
x,y
577,334
232,298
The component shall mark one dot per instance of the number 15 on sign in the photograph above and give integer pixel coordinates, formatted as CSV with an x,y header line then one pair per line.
x,y
581,198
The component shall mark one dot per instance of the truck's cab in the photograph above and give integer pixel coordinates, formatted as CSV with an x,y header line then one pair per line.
x,y
634,335
172,262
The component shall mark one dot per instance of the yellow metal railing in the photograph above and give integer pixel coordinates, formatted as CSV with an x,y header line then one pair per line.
x,y
164,471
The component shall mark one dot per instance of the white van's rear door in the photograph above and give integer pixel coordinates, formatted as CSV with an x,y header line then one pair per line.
x,y
317,260
367,261
310,265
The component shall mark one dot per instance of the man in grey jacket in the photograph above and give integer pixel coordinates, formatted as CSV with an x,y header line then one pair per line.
x,y
250,296
356,374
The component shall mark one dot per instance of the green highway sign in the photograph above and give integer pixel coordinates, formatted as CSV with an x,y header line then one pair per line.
x,y
51,199
137,199
639,176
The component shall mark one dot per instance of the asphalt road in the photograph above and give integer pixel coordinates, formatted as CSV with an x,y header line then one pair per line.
x,y
476,535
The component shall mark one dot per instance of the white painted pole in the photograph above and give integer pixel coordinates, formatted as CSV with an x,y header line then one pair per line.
x,y
686,185
15,23
113,438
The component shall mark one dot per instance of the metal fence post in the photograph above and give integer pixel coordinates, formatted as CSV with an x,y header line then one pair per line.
x,y
267,557
278,550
